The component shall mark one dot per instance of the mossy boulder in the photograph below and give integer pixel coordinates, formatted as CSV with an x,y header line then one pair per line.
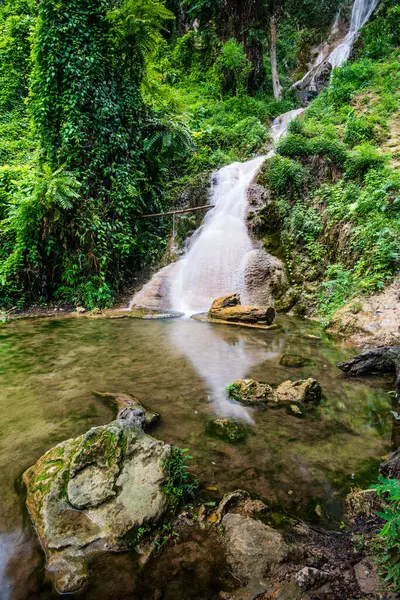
x,y
97,493
290,394
250,392
295,361
227,429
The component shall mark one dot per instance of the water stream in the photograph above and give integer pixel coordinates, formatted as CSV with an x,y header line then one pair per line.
x,y
336,50
50,368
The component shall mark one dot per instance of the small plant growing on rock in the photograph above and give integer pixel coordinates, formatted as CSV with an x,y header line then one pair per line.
x,y
387,544
179,484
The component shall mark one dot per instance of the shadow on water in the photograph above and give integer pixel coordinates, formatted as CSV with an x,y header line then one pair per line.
x,y
180,368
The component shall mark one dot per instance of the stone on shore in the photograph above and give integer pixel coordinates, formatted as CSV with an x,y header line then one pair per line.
x,y
253,548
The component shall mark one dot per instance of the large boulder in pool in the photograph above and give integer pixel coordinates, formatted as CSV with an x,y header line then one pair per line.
x,y
98,492
229,309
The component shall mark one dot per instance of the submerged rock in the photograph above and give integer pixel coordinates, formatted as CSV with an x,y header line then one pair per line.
x,y
222,309
227,429
98,492
130,408
295,361
304,391
251,393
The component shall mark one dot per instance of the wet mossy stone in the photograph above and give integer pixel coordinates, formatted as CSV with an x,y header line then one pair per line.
x,y
88,494
227,429
295,361
251,392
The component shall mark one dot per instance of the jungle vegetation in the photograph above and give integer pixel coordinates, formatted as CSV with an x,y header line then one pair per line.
x,y
109,107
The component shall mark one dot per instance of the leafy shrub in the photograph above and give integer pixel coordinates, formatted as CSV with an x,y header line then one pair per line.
x,y
362,159
179,484
285,176
234,67
387,545
293,145
358,130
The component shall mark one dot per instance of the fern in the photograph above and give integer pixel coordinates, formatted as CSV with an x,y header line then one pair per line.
x,y
58,187
137,26
388,542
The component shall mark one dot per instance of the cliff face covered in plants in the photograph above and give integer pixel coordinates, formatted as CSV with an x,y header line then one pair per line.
x,y
110,110
334,182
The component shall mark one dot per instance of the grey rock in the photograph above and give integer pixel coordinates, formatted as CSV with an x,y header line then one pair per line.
x,y
93,494
253,548
308,578
265,278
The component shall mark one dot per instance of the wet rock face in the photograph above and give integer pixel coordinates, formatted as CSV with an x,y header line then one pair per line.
x,y
265,278
223,309
93,493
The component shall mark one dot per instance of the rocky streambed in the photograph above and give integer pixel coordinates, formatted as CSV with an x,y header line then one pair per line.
x,y
105,503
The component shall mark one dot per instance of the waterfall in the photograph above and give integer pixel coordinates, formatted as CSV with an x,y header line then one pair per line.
x,y
335,52
213,265
216,255
360,14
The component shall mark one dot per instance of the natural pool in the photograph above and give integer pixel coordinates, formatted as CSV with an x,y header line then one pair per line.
x,y
180,368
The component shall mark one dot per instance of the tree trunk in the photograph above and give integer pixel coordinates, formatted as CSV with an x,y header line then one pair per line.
x,y
276,84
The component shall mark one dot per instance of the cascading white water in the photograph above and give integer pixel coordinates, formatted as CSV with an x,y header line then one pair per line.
x,y
360,14
216,257
215,262
334,51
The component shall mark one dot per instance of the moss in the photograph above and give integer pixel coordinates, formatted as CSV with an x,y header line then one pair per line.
x,y
227,429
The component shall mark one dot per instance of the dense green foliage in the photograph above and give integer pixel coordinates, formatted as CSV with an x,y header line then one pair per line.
x,y
109,108
388,542
336,189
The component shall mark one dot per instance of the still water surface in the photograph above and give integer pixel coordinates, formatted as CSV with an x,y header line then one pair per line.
x,y
180,368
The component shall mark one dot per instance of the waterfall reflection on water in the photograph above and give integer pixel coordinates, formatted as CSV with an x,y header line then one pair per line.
x,y
220,359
